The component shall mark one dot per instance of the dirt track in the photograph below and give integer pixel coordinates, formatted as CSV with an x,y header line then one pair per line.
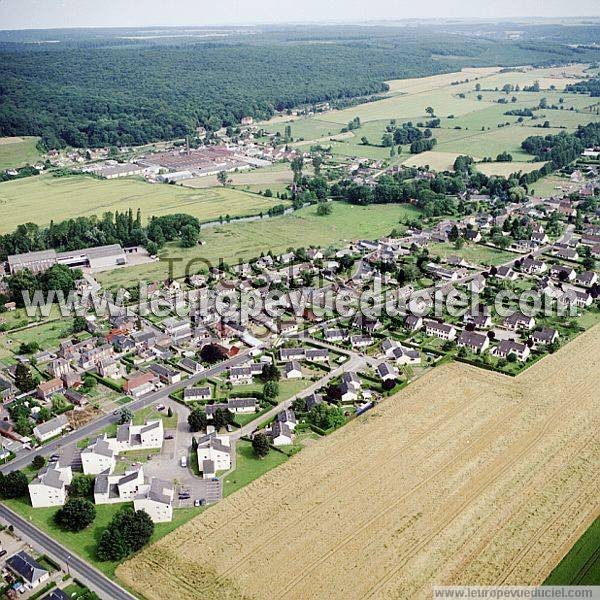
x,y
466,477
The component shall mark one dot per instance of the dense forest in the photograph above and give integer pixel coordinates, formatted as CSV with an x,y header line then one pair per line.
x,y
103,88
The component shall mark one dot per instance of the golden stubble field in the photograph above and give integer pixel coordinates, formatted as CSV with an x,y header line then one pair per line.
x,y
465,477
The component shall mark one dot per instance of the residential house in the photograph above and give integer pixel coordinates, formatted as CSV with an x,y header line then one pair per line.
x,y
532,266
317,354
312,401
139,437
440,330
518,321
507,347
139,384
46,389
476,342
156,499
587,279
563,273
565,253
242,405
196,394
110,488
99,456
335,335
506,273
240,375
545,336
167,375
25,567
287,417
287,354
406,356
281,434
51,428
292,370
387,372
413,323
49,487
361,341
213,453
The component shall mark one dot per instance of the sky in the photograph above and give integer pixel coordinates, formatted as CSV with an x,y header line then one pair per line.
x,y
34,14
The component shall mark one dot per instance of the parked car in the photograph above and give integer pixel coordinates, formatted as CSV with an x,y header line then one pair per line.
x,y
54,457
168,436
199,502
183,461
184,495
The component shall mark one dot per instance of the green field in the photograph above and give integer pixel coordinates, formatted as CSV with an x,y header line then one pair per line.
x,y
18,152
249,468
469,125
581,566
41,199
47,335
475,253
240,241
83,543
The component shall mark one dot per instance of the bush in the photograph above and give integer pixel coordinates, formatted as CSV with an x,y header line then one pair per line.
x,y
261,445
128,532
76,514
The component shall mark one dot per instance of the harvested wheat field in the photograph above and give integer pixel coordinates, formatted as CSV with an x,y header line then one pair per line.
x,y
465,477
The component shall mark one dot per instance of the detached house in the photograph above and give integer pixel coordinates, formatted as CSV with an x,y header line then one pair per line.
x,y
545,336
518,321
506,347
51,428
440,330
476,342
292,370
240,375
47,389
196,394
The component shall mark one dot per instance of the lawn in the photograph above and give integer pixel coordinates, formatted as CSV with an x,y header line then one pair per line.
x,y
468,125
581,566
475,253
84,542
41,199
150,413
276,178
240,241
47,335
18,152
249,468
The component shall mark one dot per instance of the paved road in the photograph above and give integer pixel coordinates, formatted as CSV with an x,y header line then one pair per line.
x,y
90,576
23,458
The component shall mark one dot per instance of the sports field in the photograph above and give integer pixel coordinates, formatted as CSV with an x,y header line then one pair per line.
x,y
41,199
18,151
469,477
240,241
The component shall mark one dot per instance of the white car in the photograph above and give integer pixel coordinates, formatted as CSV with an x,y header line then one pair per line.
x,y
183,461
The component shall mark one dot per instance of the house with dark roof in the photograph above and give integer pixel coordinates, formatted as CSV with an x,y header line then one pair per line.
x,y
25,567
476,342
545,336
196,394
508,347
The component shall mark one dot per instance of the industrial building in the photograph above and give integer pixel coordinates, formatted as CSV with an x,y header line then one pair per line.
x,y
99,258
